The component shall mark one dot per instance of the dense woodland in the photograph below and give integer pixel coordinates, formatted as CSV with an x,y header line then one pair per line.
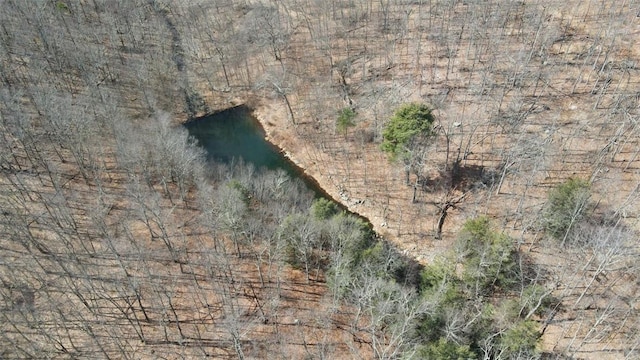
x,y
505,228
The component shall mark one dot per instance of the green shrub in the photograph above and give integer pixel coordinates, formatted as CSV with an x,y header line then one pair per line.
x,y
374,256
410,122
354,235
323,209
443,349
386,263
520,339
537,299
484,324
566,206
490,257
430,326
438,276
345,120
62,6
477,230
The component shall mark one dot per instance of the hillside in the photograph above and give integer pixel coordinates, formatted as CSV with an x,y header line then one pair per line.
x,y
118,240
526,96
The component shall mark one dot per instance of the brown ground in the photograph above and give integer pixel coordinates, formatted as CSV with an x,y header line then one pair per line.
x,y
581,122
84,287
547,88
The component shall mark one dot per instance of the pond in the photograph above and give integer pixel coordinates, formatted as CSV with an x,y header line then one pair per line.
x,y
234,133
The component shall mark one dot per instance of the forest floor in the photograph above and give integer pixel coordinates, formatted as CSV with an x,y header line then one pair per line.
x,y
573,128
368,184
525,94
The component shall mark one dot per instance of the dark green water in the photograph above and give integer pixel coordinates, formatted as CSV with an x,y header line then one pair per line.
x,y
235,134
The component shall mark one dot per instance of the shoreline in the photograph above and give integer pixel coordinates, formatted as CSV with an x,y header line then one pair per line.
x,y
271,118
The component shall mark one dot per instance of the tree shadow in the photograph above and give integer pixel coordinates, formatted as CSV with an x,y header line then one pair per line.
x,y
462,178
472,177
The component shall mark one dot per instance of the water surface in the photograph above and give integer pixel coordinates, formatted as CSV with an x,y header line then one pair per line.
x,y
235,134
